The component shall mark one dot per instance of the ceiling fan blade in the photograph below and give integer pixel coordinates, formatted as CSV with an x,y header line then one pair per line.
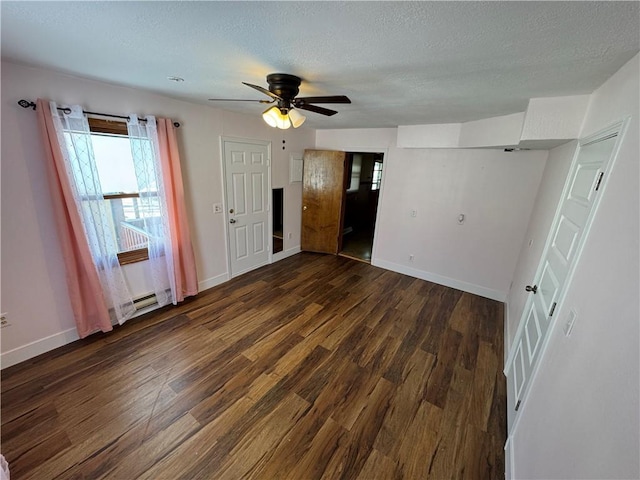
x,y
263,90
238,100
327,99
313,108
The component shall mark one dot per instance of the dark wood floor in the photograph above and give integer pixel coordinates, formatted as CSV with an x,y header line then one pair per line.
x,y
358,245
313,367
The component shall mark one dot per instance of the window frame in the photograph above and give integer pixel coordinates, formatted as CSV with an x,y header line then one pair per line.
x,y
119,128
375,184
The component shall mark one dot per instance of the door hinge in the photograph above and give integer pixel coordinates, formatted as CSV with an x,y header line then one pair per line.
x,y
553,309
599,180
518,405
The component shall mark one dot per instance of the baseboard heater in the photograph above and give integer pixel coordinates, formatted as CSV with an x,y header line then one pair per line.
x,y
145,301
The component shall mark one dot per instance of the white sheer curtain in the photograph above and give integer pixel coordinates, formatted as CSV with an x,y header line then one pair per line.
x,y
74,138
143,136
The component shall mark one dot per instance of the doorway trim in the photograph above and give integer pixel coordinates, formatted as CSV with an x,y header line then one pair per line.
x,y
269,231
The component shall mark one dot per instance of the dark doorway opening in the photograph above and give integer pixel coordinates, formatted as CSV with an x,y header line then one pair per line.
x,y
363,182
278,219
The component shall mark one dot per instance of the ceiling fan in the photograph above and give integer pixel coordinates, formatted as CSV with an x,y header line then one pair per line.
x,y
283,90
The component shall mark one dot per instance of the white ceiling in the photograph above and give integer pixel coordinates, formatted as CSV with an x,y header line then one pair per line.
x,y
401,63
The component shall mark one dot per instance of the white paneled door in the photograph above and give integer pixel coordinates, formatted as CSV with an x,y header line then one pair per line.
x,y
247,204
565,240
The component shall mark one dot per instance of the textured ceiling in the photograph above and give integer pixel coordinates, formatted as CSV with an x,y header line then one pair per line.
x,y
401,63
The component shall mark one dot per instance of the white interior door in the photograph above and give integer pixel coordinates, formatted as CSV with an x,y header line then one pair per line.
x,y
247,181
563,246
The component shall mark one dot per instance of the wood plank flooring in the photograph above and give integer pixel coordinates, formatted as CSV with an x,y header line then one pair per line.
x,y
313,367
358,245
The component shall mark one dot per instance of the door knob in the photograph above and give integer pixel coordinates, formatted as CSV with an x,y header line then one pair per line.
x,y
232,220
533,289
304,207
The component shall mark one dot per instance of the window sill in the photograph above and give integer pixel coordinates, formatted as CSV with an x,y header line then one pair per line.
x,y
133,256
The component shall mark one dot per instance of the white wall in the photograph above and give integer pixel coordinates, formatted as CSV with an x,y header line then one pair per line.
x,y
493,189
503,130
547,123
357,139
444,135
554,117
33,288
581,418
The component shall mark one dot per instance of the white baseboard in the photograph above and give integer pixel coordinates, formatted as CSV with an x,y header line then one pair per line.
x,y
212,282
441,280
285,253
38,347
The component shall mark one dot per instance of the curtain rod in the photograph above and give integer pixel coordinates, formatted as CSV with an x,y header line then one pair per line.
x,y
27,104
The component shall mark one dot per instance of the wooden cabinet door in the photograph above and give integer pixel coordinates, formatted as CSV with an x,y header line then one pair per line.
x,y
323,195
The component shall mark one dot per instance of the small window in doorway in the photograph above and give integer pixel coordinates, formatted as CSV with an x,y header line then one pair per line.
x,y
377,176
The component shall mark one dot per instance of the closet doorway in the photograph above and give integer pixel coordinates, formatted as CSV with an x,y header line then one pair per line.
x,y
362,191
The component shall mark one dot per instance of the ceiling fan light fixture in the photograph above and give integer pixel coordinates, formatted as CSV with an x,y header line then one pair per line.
x,y
275,118
283,89
296,118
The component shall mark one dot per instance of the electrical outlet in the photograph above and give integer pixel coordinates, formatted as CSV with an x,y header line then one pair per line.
x,y
414,212
4,320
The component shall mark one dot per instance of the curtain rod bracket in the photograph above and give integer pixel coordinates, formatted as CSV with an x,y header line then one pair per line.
x,y
26,104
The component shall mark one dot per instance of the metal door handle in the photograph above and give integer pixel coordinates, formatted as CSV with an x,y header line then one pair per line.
x,y
232,220
533,289
304,207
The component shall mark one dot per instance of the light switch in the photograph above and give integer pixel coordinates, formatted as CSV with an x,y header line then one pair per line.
x,y
217,208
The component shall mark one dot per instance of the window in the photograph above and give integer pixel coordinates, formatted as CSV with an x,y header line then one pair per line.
x,y
128,215
356,168
377,175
